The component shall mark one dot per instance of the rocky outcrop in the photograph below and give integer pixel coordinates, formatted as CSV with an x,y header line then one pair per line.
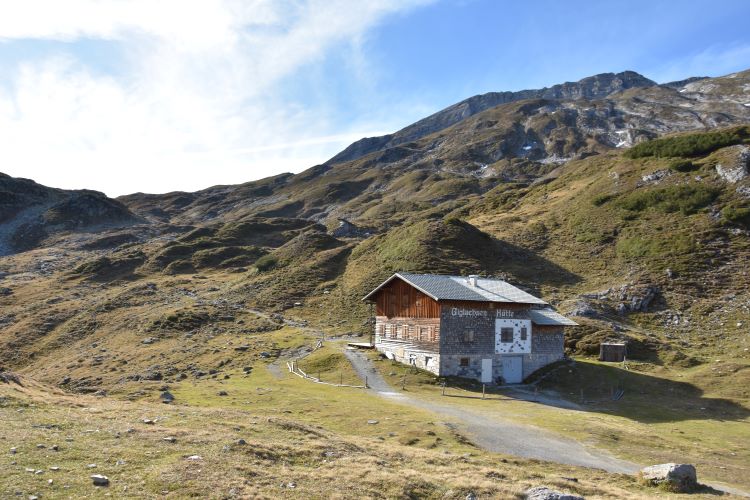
x,y
636,298
348,230
737,170
680,478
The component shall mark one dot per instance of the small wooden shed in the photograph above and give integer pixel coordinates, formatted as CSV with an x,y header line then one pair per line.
x,y
612,351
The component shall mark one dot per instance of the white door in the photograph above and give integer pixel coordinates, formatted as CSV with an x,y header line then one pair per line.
x,y
512,369
486,371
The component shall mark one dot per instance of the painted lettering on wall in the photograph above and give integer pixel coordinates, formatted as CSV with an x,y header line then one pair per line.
x,y
503,313
458,311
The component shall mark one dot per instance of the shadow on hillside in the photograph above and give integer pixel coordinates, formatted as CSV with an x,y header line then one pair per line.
x,y
460,248
641,397
532,268
592,387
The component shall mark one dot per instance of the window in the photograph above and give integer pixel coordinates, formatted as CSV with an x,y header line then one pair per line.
x,y
469,336
424,334
389,331
464,362
523,333
506,335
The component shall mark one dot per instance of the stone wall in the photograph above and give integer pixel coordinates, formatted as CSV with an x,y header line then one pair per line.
x,y
547,346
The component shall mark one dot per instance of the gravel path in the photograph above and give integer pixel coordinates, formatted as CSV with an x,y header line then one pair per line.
x,y
496,433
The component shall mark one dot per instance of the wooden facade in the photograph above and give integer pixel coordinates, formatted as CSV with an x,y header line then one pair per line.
x,y
399,299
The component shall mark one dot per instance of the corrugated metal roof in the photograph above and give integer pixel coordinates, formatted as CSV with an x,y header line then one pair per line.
x,y
441,287
550,317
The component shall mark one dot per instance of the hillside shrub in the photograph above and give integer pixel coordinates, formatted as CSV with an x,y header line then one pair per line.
x,y
736,215
683,166
684,199
602,199
636,247
266,263
689,145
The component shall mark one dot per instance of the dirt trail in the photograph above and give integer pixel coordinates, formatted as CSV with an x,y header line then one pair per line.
x,y
496,433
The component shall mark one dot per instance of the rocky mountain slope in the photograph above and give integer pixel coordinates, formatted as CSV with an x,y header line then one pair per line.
x,y
31,213
468,148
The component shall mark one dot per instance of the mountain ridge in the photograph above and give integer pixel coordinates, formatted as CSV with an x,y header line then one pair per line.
x,y
588,87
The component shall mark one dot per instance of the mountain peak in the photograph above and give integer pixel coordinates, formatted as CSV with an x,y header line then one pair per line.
x,y
591,87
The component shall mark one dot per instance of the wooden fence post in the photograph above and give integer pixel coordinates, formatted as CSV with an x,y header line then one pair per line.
x,y
367,386
444,383
482,391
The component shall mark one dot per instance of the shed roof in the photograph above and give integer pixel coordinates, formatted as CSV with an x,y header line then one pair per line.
x,y
441,287
549,317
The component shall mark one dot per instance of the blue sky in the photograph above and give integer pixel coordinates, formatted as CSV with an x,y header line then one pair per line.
x,y
181,95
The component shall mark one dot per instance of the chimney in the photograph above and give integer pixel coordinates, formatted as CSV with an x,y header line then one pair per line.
x,y
473,279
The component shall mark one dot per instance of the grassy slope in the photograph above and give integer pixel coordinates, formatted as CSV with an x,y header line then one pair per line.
x,y
328,452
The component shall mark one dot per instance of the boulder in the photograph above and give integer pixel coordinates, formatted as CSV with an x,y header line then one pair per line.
x,y
679,478
100,480
166,397
544,493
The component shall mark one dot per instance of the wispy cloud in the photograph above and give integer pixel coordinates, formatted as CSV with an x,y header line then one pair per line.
x,y
722,59
196,99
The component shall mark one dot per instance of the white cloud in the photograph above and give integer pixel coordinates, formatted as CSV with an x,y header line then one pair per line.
x,y
195,101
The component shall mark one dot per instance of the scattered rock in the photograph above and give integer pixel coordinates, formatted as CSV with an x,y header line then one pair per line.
x,y
656,177
222,393
13,451
265,354
680,478
148,421
166,397
372,422
241,442
583,309
194,458
100,480
544,493
148,340
170,439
